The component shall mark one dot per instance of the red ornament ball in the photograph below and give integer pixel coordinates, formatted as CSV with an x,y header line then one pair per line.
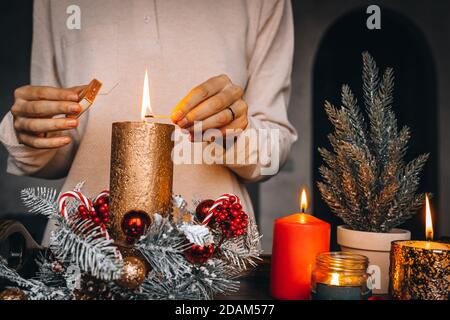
x,y
199,254
201,212
135,224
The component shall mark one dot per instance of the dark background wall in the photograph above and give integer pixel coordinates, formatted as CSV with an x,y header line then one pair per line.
x,y
330,36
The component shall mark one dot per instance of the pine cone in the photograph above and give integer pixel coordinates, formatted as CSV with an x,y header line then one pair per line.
x,y
93,289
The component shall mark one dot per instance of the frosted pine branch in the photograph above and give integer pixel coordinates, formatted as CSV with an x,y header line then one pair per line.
x,y
82,243
46,275
244,252
40,200
34,289
163,247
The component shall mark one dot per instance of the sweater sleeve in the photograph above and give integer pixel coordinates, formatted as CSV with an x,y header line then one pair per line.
x,y
24,160
267,95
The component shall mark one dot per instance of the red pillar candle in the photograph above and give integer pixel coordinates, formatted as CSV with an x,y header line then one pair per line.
x,y
297,239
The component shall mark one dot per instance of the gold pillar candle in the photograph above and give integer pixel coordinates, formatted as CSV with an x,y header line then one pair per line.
x,y
420,270
141,171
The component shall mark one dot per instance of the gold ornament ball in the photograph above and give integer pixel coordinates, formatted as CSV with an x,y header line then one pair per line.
x,y
12,294
133,273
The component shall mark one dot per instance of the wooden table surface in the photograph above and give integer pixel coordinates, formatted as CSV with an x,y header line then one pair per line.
x,y
255,284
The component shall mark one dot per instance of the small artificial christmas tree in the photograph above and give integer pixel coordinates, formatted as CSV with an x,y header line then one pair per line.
x,y
366,181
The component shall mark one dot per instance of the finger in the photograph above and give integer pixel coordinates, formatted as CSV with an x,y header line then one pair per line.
x,y
44,108
36,125
235,127
43,143
46,93
200,93
231,130
213,105
224,117
78,89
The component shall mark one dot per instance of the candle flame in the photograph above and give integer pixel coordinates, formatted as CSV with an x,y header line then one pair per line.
x,y
303,201
334,279
428,220
146,107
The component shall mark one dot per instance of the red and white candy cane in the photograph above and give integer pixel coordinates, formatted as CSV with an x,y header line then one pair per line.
x,y
218,202
88,204
104,193
74,195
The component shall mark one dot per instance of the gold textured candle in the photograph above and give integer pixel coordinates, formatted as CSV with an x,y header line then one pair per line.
x,y
420,270
141,172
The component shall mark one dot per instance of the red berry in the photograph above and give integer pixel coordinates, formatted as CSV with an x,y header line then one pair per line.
x,y
105,220
103,208
82,208
100,201
236,206
232,199
226,204
96,220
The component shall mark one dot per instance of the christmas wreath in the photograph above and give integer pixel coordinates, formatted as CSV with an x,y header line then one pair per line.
x,y
191,254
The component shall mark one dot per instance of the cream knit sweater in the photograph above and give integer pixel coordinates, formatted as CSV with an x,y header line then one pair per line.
x,y
182,43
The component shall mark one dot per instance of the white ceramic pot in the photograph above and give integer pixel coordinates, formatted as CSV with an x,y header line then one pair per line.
x,y
376,247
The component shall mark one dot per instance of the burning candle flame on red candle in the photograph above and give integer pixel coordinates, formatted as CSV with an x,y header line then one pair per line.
x,y
303,205
303,201
146,107
428,220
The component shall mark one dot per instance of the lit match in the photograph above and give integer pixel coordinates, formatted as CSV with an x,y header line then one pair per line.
x,y
157,116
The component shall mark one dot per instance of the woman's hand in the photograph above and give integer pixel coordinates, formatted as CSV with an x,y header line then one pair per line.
x,y
34,110
217,103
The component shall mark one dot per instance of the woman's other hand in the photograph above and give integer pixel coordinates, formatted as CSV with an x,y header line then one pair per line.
x,y
34,111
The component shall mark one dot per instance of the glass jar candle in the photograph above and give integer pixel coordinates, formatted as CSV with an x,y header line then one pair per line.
x,y
340,276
